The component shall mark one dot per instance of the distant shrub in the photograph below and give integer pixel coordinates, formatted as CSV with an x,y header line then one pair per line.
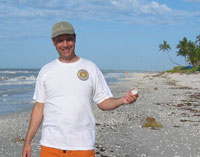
x,y
194,69
185,69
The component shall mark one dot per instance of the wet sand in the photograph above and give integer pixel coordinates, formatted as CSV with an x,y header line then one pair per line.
x,y
172,99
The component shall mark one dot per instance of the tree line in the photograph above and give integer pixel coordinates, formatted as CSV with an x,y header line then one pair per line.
x,y
190,50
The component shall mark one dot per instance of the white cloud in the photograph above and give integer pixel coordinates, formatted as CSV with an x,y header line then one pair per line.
x,y
127,11
43,8
155,8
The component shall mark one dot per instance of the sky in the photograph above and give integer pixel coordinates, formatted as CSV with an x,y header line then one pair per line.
x,y
114,34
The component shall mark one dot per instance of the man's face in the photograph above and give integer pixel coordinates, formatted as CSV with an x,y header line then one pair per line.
x,y
65,45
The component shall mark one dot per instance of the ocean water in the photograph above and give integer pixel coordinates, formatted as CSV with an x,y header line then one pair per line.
x,y
17,88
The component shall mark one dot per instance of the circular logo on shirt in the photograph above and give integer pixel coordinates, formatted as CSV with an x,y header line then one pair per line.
x,y
83,74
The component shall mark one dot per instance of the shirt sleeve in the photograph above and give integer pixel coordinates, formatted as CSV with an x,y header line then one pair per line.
x,y
39,94
101,90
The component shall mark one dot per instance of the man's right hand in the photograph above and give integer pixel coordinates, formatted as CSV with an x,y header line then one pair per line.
x,y
36,118
26,152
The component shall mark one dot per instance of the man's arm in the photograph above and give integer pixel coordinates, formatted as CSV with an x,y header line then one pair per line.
x,y
35,121
113,103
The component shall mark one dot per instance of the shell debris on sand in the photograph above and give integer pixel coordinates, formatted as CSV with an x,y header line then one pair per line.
x,y
151,122
18,139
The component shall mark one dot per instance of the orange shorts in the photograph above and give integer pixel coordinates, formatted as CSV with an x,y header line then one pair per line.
x,y
53,152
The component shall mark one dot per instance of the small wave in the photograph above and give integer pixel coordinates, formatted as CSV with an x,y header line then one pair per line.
x,y
18,80
33,78
16,72
113,75
7,92
2,78
17,83
3,100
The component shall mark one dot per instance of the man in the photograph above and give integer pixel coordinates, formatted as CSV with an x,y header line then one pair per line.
x,y
65,90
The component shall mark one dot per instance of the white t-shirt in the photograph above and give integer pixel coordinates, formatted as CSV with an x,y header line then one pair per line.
x,y
67,91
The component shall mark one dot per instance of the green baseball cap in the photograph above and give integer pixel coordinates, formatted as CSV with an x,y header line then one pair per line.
x,y
62,28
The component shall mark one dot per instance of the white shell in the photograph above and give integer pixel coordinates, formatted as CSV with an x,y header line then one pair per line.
x,y
134,92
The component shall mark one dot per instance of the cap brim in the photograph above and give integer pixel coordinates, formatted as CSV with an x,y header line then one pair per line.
x,y
62,32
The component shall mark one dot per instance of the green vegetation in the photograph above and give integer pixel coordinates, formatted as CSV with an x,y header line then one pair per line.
x,y
185,69
189,50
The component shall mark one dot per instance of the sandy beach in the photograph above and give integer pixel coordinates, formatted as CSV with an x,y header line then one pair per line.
x,y
173,100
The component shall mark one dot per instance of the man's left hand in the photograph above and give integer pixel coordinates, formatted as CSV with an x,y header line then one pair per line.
x,y
129,98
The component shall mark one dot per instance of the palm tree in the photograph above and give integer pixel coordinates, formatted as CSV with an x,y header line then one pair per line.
x,y
198,49
198,39
194,54
165,47
198,56
183,47
190,50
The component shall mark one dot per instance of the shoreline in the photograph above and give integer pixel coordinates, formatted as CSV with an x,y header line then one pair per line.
x,y
169,98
